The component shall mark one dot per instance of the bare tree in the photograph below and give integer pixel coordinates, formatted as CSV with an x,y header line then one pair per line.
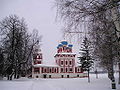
x,y
17,45
102,16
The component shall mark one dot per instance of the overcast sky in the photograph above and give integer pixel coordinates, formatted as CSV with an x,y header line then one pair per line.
x,y
38,14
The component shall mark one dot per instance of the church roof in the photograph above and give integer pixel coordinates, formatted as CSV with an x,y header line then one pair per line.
x,y
45,65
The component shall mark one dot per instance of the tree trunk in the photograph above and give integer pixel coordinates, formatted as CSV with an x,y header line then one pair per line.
x,y
15,75
8,77
115,16
96,72
119,72
111,72
111,75
11,77
88,76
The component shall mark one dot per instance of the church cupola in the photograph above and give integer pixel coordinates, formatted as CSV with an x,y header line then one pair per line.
x,y
64,47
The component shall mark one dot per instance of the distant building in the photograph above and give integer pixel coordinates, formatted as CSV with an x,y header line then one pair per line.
x,y
65,64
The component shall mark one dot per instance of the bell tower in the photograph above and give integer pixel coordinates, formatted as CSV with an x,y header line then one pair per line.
x,y
37,55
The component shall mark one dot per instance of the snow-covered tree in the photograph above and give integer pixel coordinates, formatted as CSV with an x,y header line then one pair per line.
x,y
85,60
102,15
17,45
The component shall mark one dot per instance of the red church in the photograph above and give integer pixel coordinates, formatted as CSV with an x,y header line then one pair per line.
x,y
65,66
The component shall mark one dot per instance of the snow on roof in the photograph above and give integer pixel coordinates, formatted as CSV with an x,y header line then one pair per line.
x,y
45,65
65,54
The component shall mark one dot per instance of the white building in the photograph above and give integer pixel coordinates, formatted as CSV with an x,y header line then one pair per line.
x,y
65,64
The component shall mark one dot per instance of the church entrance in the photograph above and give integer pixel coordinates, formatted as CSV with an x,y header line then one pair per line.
x,y
44,76
67,76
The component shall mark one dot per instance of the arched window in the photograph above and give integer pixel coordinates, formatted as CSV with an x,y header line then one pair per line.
x,y
66,69
45,70
55,70
50,70
61,62
61,69
66,62
70,62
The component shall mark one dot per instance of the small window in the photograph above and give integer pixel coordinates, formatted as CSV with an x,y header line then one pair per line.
x,y
55,70
49,76
61,69
70,69
36,76
70,62
66,62
66,70
61,62
36,69
50,70
67,76
45,70
62,76
77,75
39,62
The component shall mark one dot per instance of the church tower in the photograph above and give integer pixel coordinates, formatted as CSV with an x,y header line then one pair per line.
x,y
65,58
37,55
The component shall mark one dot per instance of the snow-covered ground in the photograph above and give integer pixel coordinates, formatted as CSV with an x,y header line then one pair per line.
x,y
102,83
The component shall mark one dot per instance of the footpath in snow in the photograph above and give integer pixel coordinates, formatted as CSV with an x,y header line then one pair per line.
x,y
102,83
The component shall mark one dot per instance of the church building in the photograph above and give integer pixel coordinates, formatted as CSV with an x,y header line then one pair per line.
x,y
65,64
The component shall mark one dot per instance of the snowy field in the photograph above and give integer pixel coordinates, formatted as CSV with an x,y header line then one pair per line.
x,y
102,83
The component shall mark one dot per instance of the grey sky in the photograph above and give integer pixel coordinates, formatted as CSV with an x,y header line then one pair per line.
x,y
39,14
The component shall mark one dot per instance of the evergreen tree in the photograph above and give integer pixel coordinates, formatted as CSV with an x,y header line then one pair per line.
x,y
85,59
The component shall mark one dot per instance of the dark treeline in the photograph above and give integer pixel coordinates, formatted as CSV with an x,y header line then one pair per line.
x,y
16,45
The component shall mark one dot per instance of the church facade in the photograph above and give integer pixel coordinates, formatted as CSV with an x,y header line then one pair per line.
x,y
65,64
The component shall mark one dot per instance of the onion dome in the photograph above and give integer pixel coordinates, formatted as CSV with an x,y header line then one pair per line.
x,y
64,43
60,45
70,45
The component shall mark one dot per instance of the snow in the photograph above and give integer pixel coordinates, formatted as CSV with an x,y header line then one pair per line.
x,y
65,53
102,83
45,65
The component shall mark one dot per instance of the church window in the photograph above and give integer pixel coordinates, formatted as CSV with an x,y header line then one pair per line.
x,y
45,70
66,70
66,62
70,69
39,62
62,76
49,76
70,62
50,70
55,70
61,69
36,70
61,62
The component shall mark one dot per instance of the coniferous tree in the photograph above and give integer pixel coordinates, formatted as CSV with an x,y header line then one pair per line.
x,y
85,59
102,16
